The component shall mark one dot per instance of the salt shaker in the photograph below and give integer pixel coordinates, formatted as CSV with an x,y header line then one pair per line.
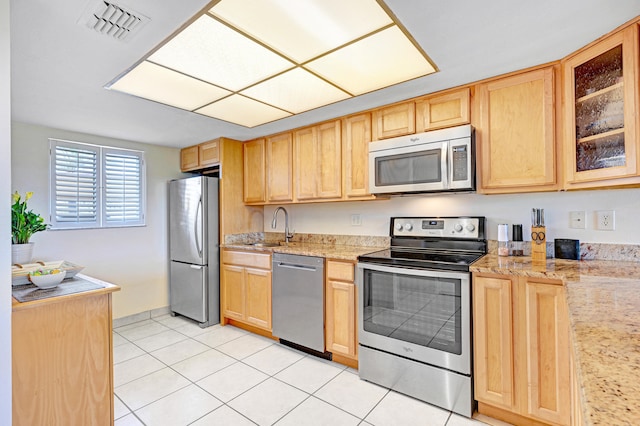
x,y
503,239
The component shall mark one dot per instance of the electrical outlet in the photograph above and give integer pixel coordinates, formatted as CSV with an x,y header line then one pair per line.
x,y
356,220
577,220
605,220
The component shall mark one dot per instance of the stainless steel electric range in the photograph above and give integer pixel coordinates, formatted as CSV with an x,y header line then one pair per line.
x,y
414,313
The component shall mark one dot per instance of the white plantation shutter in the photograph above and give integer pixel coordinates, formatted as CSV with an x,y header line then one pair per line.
x,y
122,183
94,186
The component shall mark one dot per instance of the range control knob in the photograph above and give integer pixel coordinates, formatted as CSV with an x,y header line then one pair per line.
x,y
398,226
470,227
408,227
458,227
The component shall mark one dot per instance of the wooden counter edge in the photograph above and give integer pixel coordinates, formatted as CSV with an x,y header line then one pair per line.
x,y
108,288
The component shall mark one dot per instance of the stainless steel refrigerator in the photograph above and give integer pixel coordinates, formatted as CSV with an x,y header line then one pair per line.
x,y
194,286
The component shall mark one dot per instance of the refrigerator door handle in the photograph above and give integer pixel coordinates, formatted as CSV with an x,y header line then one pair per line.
x,y
195,266
195,226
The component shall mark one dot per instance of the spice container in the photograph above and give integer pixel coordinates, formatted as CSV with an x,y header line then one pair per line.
x,y
503,239
517,245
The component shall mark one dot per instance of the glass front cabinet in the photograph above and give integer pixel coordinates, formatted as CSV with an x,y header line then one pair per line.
x,y
600,103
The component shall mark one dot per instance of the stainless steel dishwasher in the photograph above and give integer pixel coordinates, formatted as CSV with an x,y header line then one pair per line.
x,y
298,300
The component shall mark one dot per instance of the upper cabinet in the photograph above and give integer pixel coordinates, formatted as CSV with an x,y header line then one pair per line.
x,y
255,190
394,120
600,111
279,163
516,133
200,156
446,110
318,162
356,135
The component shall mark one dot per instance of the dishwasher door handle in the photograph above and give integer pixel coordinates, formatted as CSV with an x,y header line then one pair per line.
x,y
298,267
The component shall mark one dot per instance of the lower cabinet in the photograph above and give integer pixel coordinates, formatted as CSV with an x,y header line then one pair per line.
x,y
340,309
245,288
521,349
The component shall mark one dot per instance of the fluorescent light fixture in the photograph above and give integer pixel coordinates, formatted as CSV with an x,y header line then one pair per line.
x,y
169,87
243,111
250,62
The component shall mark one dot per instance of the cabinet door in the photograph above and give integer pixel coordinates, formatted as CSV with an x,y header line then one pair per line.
x,y
209,153
232,284
279,168
254,171
447,110
306,161
329,154
258,302
601,93
517,133
547,343
356,136
395,120
493,341
189,158
341,318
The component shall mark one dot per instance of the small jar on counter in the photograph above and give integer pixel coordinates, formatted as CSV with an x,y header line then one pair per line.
x,y
517,245
503,239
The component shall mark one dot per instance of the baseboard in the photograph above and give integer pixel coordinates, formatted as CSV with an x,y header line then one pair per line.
x,y
140,316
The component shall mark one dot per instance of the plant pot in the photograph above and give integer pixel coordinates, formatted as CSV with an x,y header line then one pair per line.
x,y
21,253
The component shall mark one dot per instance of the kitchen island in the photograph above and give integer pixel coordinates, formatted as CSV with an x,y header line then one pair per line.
x,y
62,356
603,299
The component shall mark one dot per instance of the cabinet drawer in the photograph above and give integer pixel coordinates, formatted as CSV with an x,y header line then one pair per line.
x,y
243,258
343,271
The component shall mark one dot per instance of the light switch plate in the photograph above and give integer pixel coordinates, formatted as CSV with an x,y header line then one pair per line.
x,y
577,219
356,220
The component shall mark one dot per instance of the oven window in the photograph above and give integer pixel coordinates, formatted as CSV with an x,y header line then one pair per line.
x,y
410,168
421,310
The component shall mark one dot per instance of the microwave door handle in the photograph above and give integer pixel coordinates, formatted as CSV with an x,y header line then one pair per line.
x,y
444,166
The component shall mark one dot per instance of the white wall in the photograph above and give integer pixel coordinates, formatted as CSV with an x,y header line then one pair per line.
x,y
335,218
5,218
133,258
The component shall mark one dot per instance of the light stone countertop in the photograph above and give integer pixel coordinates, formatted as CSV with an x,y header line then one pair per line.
x,y
329,251
603,298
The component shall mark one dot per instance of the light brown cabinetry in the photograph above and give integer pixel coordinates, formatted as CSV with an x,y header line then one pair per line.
x,y
516,133
394,120
340,309
62,360
245,288
601,99
255,190
200,156
318,162
446,110
279,164
521,349
356,135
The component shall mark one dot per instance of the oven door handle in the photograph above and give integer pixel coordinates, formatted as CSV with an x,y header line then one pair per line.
x,y
461,275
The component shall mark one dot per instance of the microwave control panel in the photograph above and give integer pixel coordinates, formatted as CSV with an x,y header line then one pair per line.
x,y
444,227
460,155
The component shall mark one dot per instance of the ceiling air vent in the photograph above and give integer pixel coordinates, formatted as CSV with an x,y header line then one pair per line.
x,y
112,20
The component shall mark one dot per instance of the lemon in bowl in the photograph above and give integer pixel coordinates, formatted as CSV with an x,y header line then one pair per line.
x,y
47,278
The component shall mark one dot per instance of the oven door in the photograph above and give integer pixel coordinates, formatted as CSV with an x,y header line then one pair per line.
x,y
423,315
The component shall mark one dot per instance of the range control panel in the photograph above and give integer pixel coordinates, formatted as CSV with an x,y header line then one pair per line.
x,y
445,227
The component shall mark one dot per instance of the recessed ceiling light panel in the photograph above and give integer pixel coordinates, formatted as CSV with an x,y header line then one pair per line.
x,y
302,30
378,61
297,90
243,111
213,52
162,85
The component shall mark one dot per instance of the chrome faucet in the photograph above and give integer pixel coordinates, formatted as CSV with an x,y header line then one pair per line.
x,y
274,223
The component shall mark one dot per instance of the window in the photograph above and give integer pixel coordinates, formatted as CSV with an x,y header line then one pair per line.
x,y
95,186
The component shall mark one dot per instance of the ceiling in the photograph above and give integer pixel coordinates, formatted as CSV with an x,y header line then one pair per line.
x,y
59,67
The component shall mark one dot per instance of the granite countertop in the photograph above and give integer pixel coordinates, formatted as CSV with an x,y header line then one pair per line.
x,y
330,251
603,298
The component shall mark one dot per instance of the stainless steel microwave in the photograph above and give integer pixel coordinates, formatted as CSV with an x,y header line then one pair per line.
x,y
436,161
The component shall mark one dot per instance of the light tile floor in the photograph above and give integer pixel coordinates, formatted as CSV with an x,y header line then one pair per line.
x,y
168,371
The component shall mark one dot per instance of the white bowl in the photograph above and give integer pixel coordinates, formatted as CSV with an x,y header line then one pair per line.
x,y
49,280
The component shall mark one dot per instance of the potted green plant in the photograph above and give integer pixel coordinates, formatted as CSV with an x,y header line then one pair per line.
x,y
24,223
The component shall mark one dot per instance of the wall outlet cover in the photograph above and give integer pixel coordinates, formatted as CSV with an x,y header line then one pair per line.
x,y
577,219
605,220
